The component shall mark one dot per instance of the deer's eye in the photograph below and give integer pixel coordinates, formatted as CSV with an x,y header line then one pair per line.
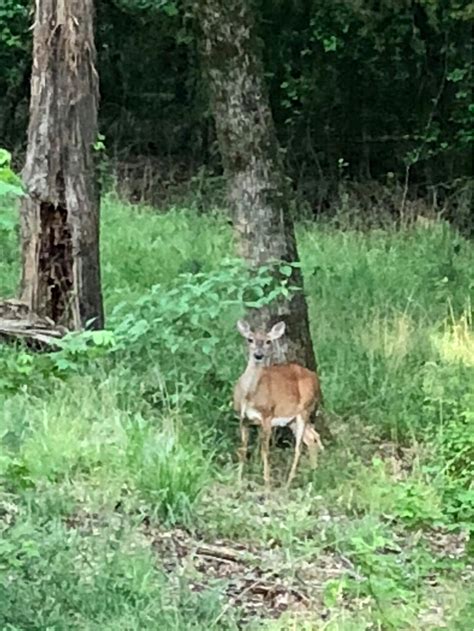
x,y
268,342
250,340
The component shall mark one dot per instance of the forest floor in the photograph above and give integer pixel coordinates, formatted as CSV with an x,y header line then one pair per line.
x,y
119,501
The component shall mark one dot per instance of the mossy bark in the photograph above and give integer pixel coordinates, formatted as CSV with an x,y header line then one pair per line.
x,y
257,188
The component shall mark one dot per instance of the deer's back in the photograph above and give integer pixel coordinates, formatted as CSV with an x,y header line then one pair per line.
x,y
282,390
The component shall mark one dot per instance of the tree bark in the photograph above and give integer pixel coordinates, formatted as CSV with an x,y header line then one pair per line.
x,y
257,189
60,214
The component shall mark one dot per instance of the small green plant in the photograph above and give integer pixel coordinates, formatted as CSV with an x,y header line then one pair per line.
x,y
10,183
169,466
452,404
21,369
456,469
411,499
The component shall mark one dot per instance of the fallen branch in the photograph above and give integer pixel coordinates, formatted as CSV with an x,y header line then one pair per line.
x,y
223,553
17,322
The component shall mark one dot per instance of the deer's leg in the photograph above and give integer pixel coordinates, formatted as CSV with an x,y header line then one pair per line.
x,y
318,438
300,425
313,442
266,434
244,436
313,454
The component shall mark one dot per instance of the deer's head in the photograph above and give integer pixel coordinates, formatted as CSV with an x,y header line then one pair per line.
x,y
261,345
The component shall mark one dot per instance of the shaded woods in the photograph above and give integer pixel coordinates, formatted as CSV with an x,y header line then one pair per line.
x,y
369,99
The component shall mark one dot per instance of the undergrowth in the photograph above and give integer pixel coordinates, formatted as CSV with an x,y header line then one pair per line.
x,y
129,431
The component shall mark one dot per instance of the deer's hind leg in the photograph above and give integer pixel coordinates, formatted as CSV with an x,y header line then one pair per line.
x,y
299,430
313,442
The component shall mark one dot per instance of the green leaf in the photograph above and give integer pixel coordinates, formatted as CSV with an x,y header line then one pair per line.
x,y
170,9
10,189
5,158
286,270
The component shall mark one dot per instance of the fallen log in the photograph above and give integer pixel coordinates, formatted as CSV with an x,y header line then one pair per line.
x,y
18,323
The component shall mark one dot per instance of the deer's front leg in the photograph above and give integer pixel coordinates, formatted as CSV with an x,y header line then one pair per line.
x,y
244,437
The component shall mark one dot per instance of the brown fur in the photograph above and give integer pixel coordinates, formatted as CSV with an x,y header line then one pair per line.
x,y
266,392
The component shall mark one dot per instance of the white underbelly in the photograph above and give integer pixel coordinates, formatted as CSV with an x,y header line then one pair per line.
x,y
282,421
254,416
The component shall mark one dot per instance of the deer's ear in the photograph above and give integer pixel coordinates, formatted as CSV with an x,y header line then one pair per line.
x,y
243,328
277,331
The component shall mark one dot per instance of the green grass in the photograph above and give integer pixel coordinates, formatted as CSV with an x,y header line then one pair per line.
x,y
117,455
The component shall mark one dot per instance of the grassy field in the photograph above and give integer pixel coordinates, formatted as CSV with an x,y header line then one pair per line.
x,y
119,503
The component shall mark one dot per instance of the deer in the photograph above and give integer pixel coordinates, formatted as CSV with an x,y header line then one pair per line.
x,y
273,395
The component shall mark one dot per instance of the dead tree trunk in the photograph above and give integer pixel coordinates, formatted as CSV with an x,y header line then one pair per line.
x,y
60,214
258,192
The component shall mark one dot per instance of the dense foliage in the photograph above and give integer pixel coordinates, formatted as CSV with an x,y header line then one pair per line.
x,y
359,90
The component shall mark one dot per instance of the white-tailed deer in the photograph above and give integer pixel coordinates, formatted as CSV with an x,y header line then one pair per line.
x,y
271,395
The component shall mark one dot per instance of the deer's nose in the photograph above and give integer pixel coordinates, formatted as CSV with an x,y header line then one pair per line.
x,y
258,355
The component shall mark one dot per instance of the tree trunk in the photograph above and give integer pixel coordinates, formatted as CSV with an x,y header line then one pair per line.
x,y
60,214
258,192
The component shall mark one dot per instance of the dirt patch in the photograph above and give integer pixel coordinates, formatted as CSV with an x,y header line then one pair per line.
x,y
250,583
257,581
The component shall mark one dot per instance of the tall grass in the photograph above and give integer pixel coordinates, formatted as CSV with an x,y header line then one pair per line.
x,y
142,430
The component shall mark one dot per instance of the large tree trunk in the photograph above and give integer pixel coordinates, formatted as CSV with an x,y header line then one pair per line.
x,y
258,192
60,215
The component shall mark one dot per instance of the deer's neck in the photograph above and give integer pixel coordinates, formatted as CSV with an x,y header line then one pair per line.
x,y
251,377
